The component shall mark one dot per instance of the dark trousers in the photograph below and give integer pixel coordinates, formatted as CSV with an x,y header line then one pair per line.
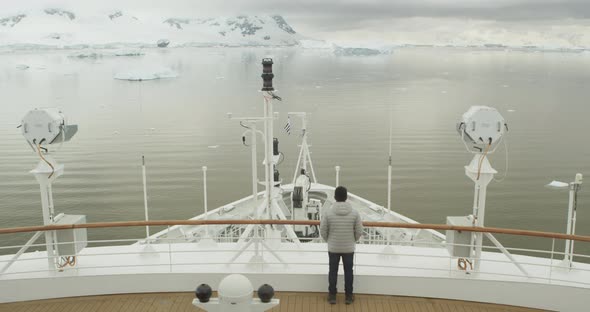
x,y
347,261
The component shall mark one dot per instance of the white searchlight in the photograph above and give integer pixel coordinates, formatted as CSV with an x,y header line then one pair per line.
x,y
235,295
41,128
481,129
44,126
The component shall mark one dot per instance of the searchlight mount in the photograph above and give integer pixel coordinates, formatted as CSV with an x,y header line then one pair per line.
x,y
481,129
41,128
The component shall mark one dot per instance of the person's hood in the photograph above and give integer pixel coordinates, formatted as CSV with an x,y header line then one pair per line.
x,y
341,208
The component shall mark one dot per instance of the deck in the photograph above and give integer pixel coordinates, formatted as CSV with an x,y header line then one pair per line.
x,y
290,302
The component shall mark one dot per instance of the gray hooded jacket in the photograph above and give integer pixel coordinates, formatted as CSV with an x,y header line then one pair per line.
x,y
341,227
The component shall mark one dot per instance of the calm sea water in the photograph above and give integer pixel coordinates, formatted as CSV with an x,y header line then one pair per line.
x,y
175,123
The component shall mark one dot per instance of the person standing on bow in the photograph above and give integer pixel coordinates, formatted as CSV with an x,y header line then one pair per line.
x,y
341,226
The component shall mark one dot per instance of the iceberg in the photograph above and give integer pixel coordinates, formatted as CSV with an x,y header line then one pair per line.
x,y
91,54
22,66
146,74
557,185
314,44
94,54
355,51
129,53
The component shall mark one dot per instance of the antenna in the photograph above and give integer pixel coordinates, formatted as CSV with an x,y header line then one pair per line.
x,y
389,165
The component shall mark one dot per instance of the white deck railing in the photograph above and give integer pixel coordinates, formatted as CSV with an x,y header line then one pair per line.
x,y
393,257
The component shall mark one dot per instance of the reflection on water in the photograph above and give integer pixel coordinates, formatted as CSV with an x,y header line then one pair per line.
x,y
544,98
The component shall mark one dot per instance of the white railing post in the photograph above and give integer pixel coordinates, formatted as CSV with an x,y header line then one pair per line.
x,y
337,175
551,263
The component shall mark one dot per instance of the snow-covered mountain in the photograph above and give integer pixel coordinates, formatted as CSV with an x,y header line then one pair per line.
x,y
62,28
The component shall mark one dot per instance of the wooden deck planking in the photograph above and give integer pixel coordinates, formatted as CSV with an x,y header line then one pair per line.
x,y
290,302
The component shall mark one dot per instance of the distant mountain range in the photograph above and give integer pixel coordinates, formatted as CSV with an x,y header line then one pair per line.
x,y
60,28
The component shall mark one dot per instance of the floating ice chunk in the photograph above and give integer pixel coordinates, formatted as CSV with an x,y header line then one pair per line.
x,y
511,111
557,184
94,54
116,132
22,66
355,51
129,53
220,78
213,146
86,54
146,74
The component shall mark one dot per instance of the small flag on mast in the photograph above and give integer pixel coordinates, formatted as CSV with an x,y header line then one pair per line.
x,y
288,126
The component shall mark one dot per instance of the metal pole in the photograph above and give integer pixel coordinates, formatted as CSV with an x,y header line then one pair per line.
x,y
44,187
205,200
571,251
315,180
570,212
303,128
389,167
337,175
145,199
205,191
577,184
298,163
481,181
307,155
268,148
254,167
480,222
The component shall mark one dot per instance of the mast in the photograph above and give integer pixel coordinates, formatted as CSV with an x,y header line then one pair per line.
x,y
267,90
304,159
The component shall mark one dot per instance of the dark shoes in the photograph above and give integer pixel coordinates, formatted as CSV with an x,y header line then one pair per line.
x,y
349,299
332,298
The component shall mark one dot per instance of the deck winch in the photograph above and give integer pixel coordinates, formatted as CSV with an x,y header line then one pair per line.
x,y
235,295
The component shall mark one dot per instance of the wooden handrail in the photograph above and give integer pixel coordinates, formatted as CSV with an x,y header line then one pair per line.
x,y
441,227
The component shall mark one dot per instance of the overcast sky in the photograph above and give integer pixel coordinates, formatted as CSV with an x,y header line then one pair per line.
x,y
339,18
357,9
